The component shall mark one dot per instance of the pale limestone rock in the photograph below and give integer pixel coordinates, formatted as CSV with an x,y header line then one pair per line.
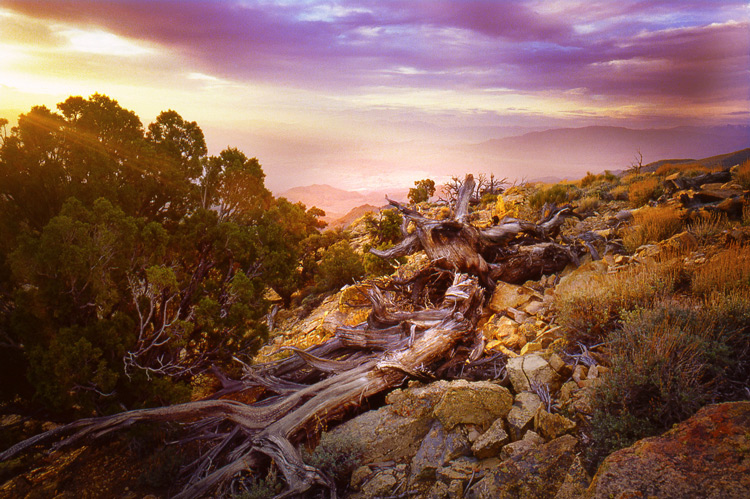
x,y
528,369
508,296
478,403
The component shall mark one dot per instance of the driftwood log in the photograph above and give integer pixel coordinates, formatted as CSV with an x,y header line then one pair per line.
x,y
400,340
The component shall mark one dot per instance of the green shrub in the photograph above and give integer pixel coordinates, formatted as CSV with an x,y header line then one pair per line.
x,y
557,194
262,488
340,265
383,227
422,191
336,455
376,266
666,362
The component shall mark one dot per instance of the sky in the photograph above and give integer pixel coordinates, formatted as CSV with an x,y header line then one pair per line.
x,y
368,94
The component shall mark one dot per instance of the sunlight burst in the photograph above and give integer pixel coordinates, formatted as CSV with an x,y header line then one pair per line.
x,y
101,42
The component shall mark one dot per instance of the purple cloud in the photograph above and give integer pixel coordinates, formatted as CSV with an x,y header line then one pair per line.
x,y
655,50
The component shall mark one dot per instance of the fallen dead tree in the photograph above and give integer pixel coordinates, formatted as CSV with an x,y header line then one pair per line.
x,y
404,337
342,373
512,251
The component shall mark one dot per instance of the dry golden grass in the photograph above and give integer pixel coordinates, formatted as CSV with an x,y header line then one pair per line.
x,y
588,203
591,306
620,193
651,225
727,271
708,225
641,191
742,175
685,169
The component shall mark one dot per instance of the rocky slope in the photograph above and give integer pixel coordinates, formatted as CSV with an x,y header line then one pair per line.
x,y
518,425
522,432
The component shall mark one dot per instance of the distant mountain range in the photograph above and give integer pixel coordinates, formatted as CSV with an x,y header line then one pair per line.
x,y
549,155
337,203
598,148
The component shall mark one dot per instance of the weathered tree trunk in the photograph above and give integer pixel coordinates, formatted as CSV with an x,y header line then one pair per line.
x,y
490,253
359,372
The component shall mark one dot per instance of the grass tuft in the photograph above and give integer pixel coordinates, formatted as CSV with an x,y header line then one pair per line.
x,y
592,308
725,272
642,191
651,225
742,175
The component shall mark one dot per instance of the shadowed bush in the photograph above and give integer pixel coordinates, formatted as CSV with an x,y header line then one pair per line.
x,y
338,456
667,362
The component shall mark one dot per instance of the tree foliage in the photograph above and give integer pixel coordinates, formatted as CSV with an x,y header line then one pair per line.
x,y
422,192
131,260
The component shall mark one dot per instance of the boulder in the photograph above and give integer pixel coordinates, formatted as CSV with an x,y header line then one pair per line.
x,y
706,456
384,435
539,472
528,369
438,447
521,415
575,483
559,365
551,426
461,469
395,431
489,443
479,403
531,348
379,485
529,441
509,296
682,242
504,330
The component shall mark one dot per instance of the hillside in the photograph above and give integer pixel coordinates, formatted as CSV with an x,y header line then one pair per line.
x,y
598,148
723,161
354,214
